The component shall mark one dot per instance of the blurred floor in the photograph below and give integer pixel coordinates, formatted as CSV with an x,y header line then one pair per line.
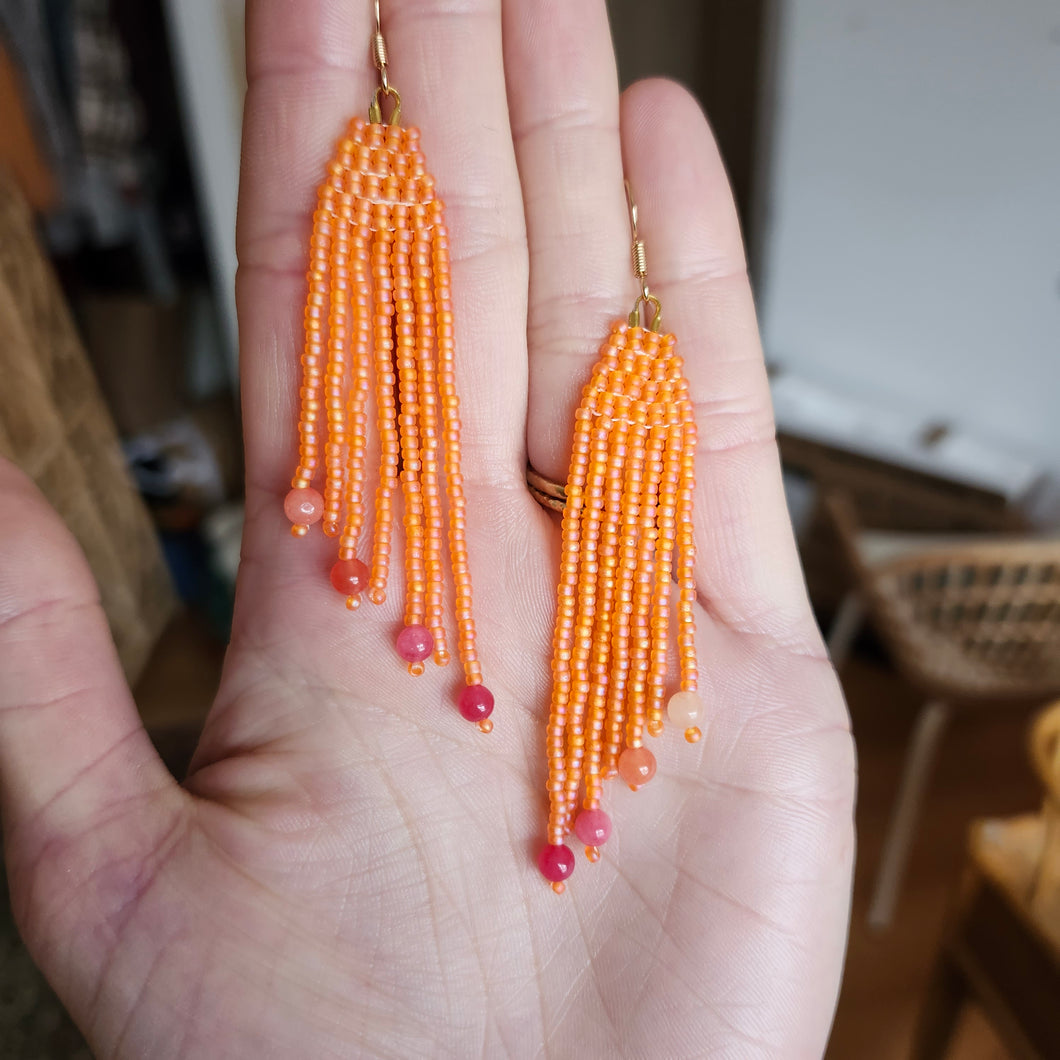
x,y
982,770
176,690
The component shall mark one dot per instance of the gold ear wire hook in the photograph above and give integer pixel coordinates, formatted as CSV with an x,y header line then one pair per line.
x,y
379,52
640,270
379,57
632,209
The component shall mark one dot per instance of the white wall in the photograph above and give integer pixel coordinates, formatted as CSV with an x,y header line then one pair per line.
x,y
912,209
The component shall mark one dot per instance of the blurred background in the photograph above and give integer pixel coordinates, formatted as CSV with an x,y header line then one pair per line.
x,y
896,169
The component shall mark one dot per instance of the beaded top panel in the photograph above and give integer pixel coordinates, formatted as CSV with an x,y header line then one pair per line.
x,y
382,164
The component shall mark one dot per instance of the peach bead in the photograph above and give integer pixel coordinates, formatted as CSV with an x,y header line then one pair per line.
x,y
636,766
303,507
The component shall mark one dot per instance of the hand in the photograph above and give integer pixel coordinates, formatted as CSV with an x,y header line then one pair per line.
x,y
349,868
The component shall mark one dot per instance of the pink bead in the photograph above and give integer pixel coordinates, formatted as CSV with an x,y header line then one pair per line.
x,y
303,506
350,577
415,643
476,702
593,827
556,862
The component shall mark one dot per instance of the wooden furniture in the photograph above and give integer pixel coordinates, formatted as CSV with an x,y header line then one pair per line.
x,y
967,620
1002,945
1045,891
883,496
55,426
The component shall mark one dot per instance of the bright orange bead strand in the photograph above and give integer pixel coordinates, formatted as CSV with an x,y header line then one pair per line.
x,y
686,637
656,660
379,322
643,579
385,404
334,379
360,385
409,422
450,403
629,514
667,440
314,350
607,559
627,528
423,296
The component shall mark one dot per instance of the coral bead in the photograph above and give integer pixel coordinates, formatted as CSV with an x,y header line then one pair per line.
x,y
636,766
476,702
350,577
415,643
592,827
303,506
685,709
556,862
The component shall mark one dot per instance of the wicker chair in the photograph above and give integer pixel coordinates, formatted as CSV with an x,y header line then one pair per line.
x,y
966,620
1001,947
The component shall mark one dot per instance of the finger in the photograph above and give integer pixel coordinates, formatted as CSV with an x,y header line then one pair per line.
x,y
446,61
747,568
563,96
71,742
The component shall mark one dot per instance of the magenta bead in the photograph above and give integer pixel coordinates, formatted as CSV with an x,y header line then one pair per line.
x,y
415,643
593,827
303,507
556,862
476,702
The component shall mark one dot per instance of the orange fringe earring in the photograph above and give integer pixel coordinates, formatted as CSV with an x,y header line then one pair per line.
x,y
627,534
379,315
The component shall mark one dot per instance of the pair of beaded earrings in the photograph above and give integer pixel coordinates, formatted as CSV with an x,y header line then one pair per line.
x,y
379,310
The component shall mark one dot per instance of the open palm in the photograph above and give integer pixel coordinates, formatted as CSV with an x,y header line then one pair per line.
x,y
349,869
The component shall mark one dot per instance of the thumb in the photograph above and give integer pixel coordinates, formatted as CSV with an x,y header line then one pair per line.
x,y
72,747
